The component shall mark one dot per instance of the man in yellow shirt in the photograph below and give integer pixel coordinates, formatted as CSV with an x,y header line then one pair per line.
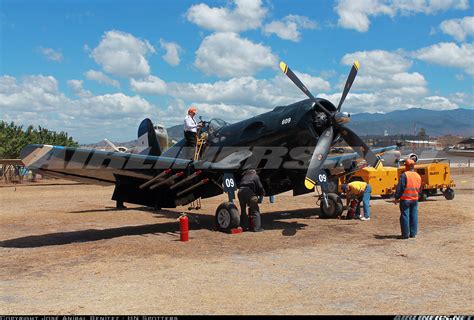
x,y
361,191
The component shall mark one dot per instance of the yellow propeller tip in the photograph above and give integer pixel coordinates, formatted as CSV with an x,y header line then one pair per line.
x,y
356,64
283,67
309,184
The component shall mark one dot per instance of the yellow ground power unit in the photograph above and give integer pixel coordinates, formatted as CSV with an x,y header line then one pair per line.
x,y
435,177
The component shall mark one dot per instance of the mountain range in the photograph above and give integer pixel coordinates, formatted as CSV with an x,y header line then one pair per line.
x,y
436,123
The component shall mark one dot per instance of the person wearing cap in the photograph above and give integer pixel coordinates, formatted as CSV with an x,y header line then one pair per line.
x,y
361,191
190,129
407,194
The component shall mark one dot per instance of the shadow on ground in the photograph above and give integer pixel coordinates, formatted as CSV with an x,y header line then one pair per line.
x,y
386,236
197,221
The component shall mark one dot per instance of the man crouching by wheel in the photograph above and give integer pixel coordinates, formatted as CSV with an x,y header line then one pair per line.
x,y
250,189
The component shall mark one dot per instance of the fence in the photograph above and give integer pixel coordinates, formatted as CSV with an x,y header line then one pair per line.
x,y
13,171
460,163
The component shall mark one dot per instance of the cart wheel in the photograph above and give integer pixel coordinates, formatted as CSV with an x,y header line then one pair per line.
x,y
423,196
449,194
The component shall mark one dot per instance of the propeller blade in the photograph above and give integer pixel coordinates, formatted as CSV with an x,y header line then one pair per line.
x,y
349,82
286,70
319,156
359,146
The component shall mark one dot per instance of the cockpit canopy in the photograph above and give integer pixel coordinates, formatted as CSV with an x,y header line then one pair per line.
x,y
216,124
212,129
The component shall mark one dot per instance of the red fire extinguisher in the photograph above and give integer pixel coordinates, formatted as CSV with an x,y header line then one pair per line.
x,y
183,228
352,209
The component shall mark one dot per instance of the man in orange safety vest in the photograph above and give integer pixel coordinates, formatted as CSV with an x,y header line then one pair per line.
x,y
408,191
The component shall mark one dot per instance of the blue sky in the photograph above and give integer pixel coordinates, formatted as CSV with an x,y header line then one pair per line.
x,y
96,68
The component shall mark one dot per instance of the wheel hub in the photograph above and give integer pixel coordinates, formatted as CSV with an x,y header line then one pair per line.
x,y
223,218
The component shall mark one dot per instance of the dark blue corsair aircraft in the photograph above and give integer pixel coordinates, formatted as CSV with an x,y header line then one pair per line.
x,y
279,144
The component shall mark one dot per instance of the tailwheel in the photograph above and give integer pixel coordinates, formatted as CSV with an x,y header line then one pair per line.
x,y
227,217
333,208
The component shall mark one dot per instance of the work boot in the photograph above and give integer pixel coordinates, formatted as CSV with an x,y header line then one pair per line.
x,y
256,225
244,222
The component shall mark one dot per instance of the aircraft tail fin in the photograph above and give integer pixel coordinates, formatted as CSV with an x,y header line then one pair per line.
x,y
147,140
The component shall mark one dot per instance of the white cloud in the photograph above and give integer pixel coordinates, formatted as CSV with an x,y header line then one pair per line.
x,y
248,91
8,84
386,72
120,53
33,93
385,83
406,7
463,99
101,77
149,85
176,111
111,106
287,28
246,15
380,102
78,89
378,62
437,103
449,54
355,14
228,55
458,28
36,100
51,54
172,52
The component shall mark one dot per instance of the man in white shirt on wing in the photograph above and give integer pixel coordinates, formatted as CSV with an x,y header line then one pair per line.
x,y
190,129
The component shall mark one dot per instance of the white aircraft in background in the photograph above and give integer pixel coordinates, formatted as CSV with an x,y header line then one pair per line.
x,y
161,136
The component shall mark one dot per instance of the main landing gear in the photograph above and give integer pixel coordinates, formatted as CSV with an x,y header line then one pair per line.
x,y
227,216
330,205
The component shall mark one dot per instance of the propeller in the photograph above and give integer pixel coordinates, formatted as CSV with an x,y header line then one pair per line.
x,y
320,154
333,123
349,82
286,70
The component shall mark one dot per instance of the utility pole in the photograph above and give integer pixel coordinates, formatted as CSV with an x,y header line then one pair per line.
x,y
413,145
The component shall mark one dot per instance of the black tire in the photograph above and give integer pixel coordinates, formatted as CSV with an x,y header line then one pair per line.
x,y
335,207
227,217
449,194
423,196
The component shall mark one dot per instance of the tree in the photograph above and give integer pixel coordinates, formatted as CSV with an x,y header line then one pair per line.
x,y
13,138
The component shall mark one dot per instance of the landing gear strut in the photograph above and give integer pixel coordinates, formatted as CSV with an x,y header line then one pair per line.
x,y
119,205
330,205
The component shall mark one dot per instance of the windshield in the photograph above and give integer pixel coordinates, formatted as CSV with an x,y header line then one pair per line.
x,y
216,124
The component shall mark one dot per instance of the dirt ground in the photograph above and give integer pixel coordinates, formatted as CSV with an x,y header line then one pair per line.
x,y
64,249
